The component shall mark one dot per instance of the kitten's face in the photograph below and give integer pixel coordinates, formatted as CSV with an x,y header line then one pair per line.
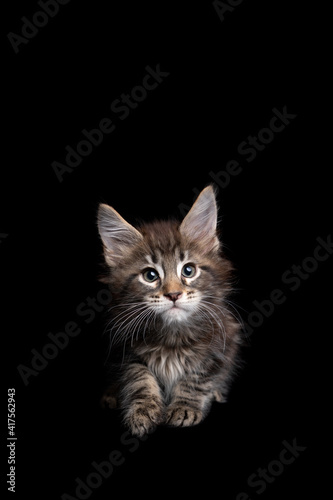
x,y
164,270
169,283
171,286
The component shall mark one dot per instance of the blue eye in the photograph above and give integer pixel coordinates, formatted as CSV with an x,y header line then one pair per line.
x,y
150,275
189,270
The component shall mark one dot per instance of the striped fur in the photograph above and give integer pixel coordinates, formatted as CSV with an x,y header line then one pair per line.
x,y
173,340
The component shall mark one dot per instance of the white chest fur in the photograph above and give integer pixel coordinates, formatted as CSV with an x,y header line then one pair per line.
x,y
168,365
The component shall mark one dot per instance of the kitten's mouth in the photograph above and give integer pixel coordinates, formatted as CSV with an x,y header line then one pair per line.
x,y
176,311
175,306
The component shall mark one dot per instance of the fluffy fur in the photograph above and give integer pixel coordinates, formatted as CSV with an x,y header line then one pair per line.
x,y
173,339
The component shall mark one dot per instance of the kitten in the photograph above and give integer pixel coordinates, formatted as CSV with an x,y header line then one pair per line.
x,y
176,339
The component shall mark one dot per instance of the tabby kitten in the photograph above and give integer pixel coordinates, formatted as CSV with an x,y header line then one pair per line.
x,y
174,341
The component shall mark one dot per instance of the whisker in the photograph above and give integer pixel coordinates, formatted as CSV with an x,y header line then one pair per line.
x,y
216,317
232,305
122,322
129,306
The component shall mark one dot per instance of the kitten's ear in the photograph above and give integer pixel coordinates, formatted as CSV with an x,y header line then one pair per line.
x,y
201,221
118,236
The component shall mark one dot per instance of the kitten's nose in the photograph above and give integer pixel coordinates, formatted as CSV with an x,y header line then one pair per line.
x,y
173,295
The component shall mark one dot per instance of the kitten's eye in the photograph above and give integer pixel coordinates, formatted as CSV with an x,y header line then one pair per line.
x,y
150,275
189,270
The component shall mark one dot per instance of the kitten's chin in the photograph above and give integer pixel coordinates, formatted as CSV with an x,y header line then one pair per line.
x,y
175,315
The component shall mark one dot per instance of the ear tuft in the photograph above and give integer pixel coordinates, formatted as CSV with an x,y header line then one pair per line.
x,y
118,236
201,221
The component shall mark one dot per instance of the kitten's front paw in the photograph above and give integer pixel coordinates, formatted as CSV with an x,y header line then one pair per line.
x,y
142,418
183,416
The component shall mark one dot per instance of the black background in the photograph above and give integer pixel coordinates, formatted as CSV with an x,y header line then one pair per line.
x,y
224,80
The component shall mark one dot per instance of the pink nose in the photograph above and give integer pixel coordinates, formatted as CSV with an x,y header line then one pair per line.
x,y
173,296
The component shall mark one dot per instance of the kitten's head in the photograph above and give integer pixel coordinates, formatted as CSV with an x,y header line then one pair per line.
x,y
165,271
